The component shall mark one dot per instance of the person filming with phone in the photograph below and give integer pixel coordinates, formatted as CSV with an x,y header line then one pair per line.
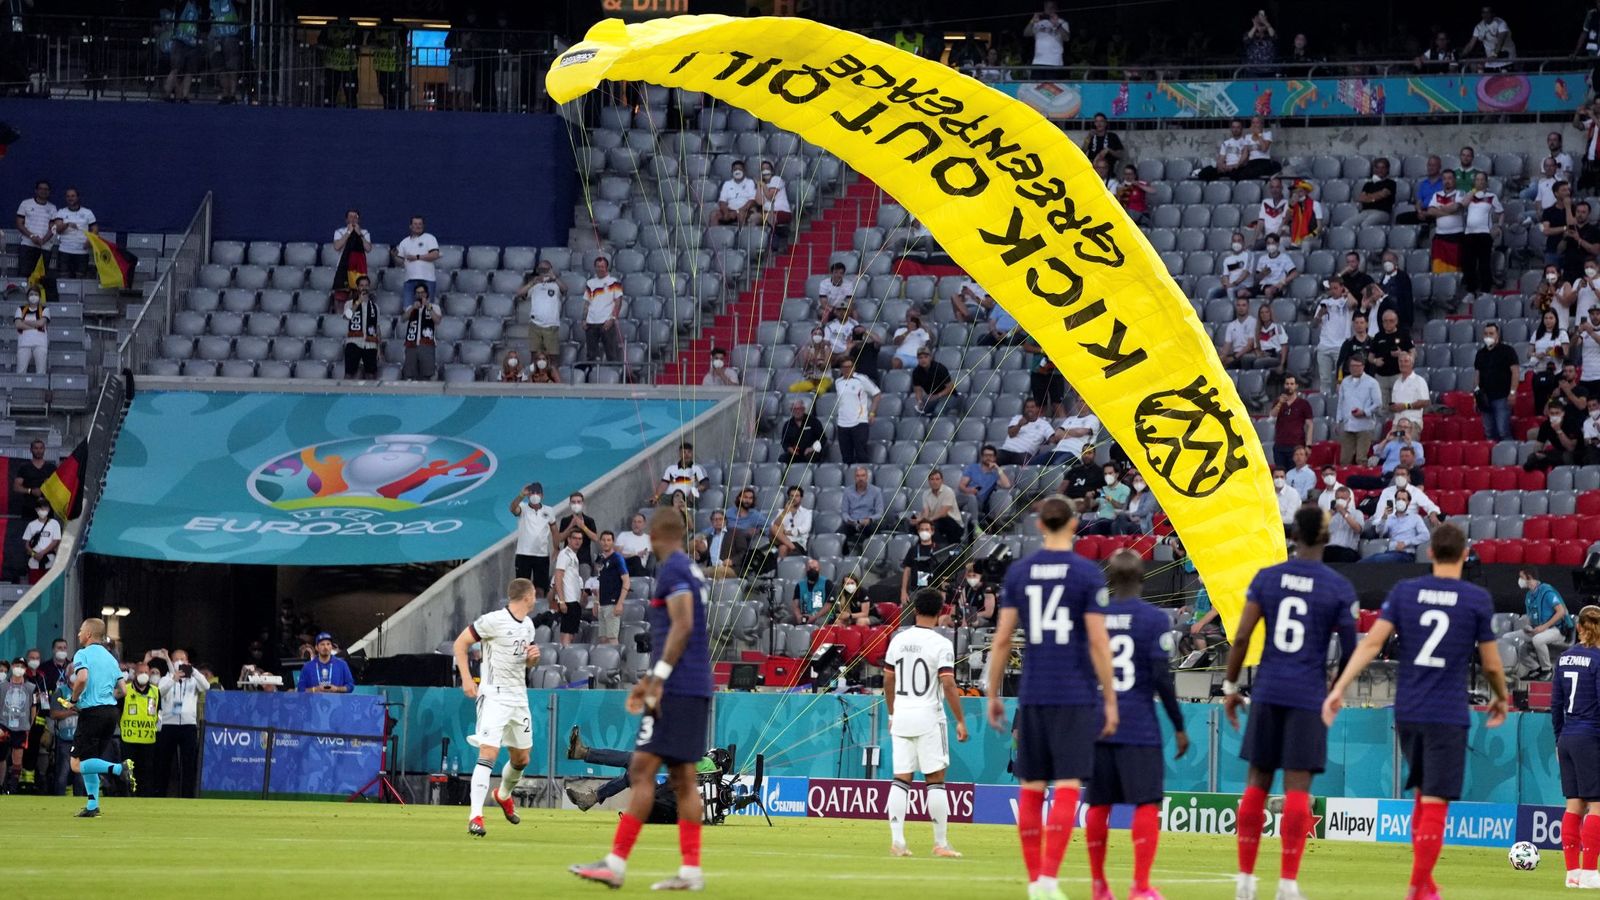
x,y
178,736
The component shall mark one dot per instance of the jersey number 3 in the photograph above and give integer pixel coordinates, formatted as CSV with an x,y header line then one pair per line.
x,y
1046,615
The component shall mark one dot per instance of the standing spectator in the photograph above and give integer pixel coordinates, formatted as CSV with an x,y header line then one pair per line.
x,y
1383,356
1334,321
1237,335
1586,351
685,477
18,701
1376,197
1301,476
73,223
1072,434
566,589
814,360
791,530
811,603
1260,45
1484,212
545,296
1467,171
862,507
1588,45
1493,35
802,437
1549,342
978,483
736,199
1583,293
351,228
1288,498
720,374
1591,434
1101,142
1447,211
854,413
1274,270
325,673
1498,377
1024,435
577,520
361,335
1557,155
536,526
935,390
511,369
187,55
30,475
1291,422
40,539
907,340
1231,154
835,292
1547,617
1134,195
33,333
1409,395
178,737
634,545
1238,271
1405,529
1345,524
1553,224
225,38
36,218
602,302
1354,274
1359,402
421,355
417,252
1396,284
1050,34
937,506
920,567
1431,182
1581,245
1584,119
1306,217
1270,215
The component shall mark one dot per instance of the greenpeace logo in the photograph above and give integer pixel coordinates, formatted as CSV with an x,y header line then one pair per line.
x,y
577,56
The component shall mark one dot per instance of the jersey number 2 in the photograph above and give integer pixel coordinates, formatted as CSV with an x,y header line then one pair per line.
x,y
1047,615
1439,621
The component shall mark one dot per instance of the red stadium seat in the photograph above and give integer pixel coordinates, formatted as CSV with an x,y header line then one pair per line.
x,y
1442,453
1461,402
1470,428
1161,525
1451,503
1365,621
889,612
1488,551
1570,553
1475,453
1589,503
1530,481
1512,552
1324,453
1091,546
1476,479
1504,478
877,644
1537,553
1586,528
1536,528
1562,528
1144,545
1446,479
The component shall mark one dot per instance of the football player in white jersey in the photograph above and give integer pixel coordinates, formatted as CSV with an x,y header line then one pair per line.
x,y
918,679
509,648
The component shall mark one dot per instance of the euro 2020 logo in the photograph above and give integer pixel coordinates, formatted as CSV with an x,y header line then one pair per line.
x,y
1189,438
370,476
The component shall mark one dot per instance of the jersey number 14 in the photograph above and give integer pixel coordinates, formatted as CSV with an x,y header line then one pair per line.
x,y
1045,615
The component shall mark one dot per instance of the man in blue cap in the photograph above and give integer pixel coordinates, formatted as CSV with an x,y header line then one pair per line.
x,y
326,673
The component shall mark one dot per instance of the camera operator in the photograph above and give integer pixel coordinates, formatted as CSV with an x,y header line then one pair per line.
x,y
178,738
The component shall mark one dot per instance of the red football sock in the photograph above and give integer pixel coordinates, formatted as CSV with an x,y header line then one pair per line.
x,y
1146,834
1058,830
1572,839
1591,842
1427,838
627,832
1096,823
1293,829
1030,825
1252,815
689,841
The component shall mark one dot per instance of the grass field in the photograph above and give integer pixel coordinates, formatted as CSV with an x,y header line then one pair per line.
x,y
241,849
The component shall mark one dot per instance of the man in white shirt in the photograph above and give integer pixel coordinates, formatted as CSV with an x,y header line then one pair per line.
x,y
1477,243
1288,497
1543,188
509,641
791,530
1334,313
73,224
634,546
1410,395
1050,34
545,295
854,413
720,374
1329,485
774,196
1494,36
1025,434
1586,350
417,252
1447,210
602,300
352,226
835,291
736,200
918,680
1231,154
178,739
1591,433
36,217
1400,480
1271,214
1238,271
1237,335
1274,270
1561,158
686,477
1072,434
566,591
536,531
971,302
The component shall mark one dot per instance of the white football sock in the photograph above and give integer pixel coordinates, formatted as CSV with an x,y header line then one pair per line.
x,y
509,776
939,812
899,804
480,786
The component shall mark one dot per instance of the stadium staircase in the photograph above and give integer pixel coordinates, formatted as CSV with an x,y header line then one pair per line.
x,y
761,301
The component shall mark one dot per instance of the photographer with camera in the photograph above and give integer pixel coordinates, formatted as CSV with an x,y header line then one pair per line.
x,y
178,737
361,337
545,295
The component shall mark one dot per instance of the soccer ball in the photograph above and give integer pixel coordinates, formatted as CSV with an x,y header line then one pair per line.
x,y
1524,856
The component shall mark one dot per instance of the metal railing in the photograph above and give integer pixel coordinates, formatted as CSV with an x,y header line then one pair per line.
x,y
154,319
1232,71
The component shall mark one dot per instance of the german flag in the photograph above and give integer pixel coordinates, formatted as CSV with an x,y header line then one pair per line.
x,y
352,263
64,489
114,264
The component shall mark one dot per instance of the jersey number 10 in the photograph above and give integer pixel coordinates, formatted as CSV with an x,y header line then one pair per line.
x,y
1046,615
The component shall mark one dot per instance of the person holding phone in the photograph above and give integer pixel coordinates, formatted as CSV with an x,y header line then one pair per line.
x,y
178,739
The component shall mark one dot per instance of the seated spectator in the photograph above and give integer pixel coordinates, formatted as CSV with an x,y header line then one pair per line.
x,y
1591,433
1547,378
544,294
907,340
1405,530
773,196
1111,500
1542,188
1237,336
992,71
361,334
791,530
1401,481
1274,270
855,605
543,371
839,331
1582,293
602,301
634,545
1289,500
936,506
1300,475
972,601
802,439
835,291
721,374
811,603
1101,142
814,360
1439,58
1354,274
1024,435
1270,215
1199,616
1493,35
726,550
971,303
1409,397
685,477
1231,155
1376,197
1561,444
920,568
1072,434
1102,170
932,385
1291,414
1446,210
1258,152
511,370
1082,481
1388,452
1333,322
421,356
33,334
1383,355
1357,344
1355,420
861,508
1306,218
1548,620
1330,486
680,504
1238,271
978,482
1003,330
736,200
1345,524
1269,345
1134,195
1140,517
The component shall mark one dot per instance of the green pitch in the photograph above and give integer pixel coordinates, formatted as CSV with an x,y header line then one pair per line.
x,y
239,849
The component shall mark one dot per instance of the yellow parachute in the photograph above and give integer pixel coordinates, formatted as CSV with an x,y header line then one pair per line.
x,y
1017,205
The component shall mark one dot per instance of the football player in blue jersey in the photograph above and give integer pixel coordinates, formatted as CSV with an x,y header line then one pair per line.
x,y
1575,715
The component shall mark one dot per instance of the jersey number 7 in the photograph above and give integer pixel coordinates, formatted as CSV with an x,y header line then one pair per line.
x,y
1046,615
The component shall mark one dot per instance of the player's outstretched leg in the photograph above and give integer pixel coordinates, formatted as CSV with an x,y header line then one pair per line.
x,y
1096,826
899,805
1252,814
939,812
1146,837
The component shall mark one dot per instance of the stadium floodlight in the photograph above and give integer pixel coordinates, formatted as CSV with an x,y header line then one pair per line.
x,y
108,611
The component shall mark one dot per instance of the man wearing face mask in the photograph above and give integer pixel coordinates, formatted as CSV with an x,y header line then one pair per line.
x,y
141,713
1403,479
33,334
54,669
1110,500
1274,270
1238,271
811,603
577,520
18,701
1327,485
1560,446
1499,373
1288,498
1586,351
41,538
736,200
1345,524
536,530
1591,433
720,374
920,568
1548,621
1405,530
178,738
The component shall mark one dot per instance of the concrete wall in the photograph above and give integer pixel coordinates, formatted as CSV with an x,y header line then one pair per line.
x,y
1392,140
